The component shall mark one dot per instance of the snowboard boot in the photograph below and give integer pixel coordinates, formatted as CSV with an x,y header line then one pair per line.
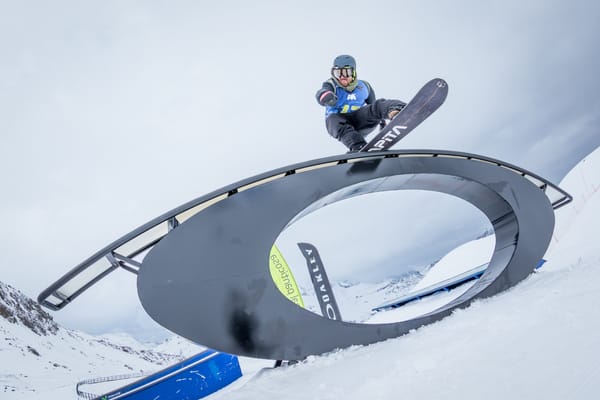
x,y
355,148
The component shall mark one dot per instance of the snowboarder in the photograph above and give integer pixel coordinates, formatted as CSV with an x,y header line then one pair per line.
x,y
351,109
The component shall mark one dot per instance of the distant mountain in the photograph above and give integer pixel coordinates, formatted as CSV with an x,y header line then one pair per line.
x,y
19,309
356,300
38,355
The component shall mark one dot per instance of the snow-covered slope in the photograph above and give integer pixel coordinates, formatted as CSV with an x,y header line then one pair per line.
x,y
357,299
583,183
470,255
40,359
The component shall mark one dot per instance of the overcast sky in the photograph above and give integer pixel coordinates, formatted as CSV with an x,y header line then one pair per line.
x,y
114,112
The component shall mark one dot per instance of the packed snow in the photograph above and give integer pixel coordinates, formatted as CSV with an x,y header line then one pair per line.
x,y
536,340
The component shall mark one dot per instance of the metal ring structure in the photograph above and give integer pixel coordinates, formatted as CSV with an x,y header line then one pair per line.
x,y
208,279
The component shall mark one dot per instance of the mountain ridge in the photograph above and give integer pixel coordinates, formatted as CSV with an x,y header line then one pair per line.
x,y
33,346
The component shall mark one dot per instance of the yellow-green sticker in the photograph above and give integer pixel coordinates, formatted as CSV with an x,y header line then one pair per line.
x,y
283,278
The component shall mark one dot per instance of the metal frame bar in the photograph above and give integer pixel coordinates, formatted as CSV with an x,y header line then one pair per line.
x,y
171,217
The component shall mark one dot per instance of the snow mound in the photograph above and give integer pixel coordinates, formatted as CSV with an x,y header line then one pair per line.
x,y
583,183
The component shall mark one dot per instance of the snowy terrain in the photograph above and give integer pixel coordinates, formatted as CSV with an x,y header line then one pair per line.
x,y
536,340
356,300
40,359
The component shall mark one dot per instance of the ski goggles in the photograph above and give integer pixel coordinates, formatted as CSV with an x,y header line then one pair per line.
x,y
347,72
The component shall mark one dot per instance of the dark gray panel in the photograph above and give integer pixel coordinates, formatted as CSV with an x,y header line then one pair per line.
x,y
208,280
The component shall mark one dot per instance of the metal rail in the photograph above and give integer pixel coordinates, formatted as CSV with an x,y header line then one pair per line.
x,y
127,251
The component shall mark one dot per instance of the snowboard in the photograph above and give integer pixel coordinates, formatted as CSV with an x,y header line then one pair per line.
x,y
426,101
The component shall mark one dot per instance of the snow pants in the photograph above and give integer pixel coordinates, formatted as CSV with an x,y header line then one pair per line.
x,y
351,128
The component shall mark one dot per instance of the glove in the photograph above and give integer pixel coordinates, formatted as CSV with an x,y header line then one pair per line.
x,y
327,98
